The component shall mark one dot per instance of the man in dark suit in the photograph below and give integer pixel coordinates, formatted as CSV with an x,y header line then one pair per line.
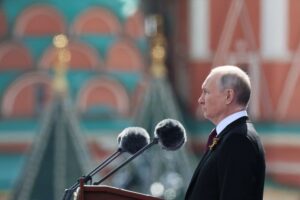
x,y
233,166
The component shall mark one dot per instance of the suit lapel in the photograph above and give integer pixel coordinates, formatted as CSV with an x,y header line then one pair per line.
x,y
194,178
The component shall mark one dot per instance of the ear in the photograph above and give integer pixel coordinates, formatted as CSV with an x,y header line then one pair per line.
x,y
229,96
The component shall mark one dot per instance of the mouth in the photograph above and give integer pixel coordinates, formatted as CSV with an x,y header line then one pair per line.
x,y
203,108
200,111
200,114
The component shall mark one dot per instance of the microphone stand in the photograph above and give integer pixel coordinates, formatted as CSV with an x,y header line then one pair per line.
x,y
155,141
69,192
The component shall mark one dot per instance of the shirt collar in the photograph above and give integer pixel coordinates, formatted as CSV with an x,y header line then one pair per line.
x,y
229,119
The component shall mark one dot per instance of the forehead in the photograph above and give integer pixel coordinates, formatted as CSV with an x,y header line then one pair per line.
x,y
211,80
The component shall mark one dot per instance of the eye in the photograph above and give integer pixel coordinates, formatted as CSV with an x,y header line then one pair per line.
x,y
205,91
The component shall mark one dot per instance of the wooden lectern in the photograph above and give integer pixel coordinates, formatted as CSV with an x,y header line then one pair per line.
x,y
89,192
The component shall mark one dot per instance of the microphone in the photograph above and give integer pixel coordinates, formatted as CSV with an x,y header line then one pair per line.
x,y
130,140
169,133
133,139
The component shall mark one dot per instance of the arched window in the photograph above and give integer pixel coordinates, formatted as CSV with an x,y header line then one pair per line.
x,y
3,24
124,56
27,96
82,57
39,20
103,96
96,20
14,55
134,25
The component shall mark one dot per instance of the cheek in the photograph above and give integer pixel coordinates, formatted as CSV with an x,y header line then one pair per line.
x,y
213,103
210,100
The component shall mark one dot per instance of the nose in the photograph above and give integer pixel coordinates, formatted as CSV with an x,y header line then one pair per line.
x,y
201,99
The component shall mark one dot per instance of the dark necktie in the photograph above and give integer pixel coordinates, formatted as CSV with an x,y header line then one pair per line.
x,y
211,136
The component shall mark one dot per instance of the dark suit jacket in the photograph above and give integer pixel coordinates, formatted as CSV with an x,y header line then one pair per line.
x,y
234,169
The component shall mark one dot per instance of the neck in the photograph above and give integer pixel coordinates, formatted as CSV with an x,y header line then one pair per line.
x,y
228,112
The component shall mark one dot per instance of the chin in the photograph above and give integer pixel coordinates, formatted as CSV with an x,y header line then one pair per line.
x,y
208,117
205,116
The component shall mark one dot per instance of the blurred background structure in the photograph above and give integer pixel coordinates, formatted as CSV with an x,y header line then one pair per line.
x,y
136,62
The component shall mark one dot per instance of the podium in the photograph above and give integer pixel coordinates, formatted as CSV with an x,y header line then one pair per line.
x,y
90,192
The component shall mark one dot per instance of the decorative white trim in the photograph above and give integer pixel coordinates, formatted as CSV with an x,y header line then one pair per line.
x,y
286,168
199,29
274,29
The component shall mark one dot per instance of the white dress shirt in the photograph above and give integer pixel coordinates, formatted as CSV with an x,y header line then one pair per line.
x,y
229,119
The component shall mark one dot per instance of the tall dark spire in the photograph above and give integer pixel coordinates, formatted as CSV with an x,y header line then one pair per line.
x,y
58,155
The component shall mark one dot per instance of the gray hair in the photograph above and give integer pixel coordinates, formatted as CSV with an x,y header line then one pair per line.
x,y
235,78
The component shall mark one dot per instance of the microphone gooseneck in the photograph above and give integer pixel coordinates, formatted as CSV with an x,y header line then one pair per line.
x,y
131,140
69,192
154,141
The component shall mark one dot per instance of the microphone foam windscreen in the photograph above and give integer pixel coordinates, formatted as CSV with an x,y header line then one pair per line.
x,y
132,139
170,133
